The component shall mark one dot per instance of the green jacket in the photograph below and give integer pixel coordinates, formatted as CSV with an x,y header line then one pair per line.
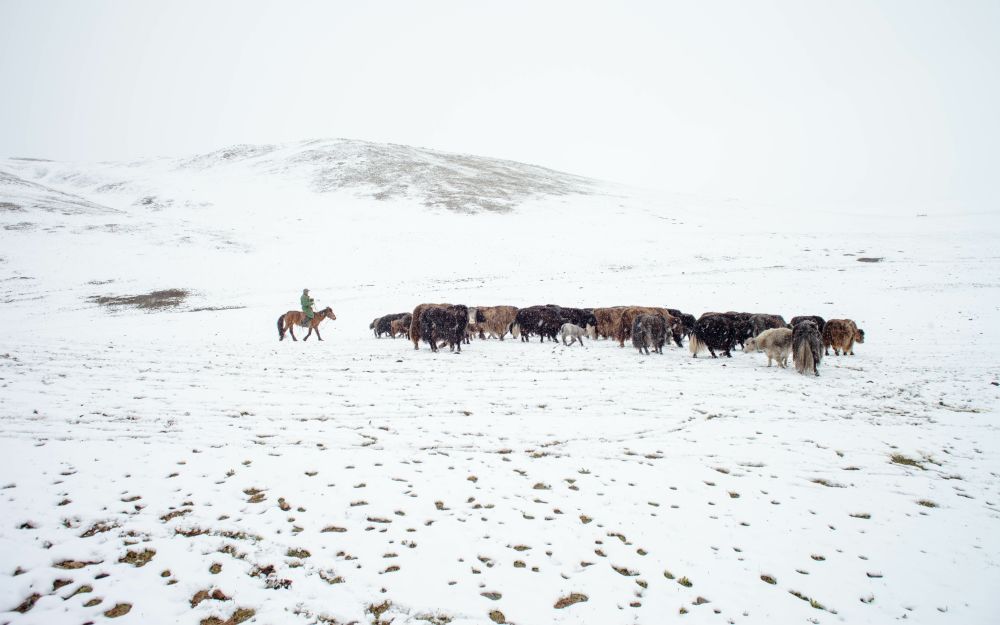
x,y
307,305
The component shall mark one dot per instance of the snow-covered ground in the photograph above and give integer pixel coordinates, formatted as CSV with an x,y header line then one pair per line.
x,y
146,456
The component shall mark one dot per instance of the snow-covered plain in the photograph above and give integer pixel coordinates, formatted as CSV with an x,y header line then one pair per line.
x,y
146,456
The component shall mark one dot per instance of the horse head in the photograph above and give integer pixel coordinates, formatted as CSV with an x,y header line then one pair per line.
x,y
329,313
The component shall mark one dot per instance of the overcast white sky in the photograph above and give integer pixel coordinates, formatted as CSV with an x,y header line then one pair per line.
x,y
889,106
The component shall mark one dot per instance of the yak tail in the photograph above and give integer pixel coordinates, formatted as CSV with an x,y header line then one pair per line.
x,y
281,328
695,344
803,357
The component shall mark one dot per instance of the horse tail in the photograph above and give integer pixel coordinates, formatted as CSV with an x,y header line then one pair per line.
x,y
281,328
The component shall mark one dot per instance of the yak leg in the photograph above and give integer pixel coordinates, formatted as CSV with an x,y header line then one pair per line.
x,y
712,351
769,360
581,340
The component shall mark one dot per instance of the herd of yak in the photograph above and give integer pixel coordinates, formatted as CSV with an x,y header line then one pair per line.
x,y
806,338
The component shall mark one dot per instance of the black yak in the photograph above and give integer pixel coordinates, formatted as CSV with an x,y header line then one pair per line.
x,y
807,347
649,331
713,331
444,323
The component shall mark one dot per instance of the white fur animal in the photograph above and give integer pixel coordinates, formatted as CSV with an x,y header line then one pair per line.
x,y
574,332
776,343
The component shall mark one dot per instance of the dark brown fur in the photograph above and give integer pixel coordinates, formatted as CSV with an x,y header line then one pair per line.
x,y
415,321
445,323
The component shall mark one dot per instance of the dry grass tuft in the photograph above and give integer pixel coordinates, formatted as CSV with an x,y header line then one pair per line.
x,y
120,609
569,600
906,461
138,558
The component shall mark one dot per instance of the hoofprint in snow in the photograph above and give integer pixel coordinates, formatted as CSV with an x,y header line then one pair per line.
x,y
182,466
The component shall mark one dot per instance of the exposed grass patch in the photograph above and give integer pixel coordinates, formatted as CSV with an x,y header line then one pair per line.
x,y
927,503
152,301
769,579
120,609
825,482
73,564
98,528
565,602
685,582
861,515
621,570
906,461
378,610
238,616
138,558
174,514
28,603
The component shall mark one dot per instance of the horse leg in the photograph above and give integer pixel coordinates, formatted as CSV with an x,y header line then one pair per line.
x,y
318,337
291,330
308,334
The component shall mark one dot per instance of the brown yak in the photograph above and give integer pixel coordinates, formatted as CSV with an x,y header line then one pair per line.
x,y
841,335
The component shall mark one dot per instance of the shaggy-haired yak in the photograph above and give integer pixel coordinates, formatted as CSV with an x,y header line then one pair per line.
x,y
496,320
547,321
383,324
841,334
401,326
527,321
607,321
444,324
713,331
649,331
416,326
742,329
629,314
807,347
776,343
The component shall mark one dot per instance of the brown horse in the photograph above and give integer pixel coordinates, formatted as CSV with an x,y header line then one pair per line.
x,y
294,318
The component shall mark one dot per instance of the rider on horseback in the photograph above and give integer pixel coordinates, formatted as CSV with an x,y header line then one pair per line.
x,y
307,306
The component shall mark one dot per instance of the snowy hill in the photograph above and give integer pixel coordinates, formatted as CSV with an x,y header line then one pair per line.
x,y
456,182
164,459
